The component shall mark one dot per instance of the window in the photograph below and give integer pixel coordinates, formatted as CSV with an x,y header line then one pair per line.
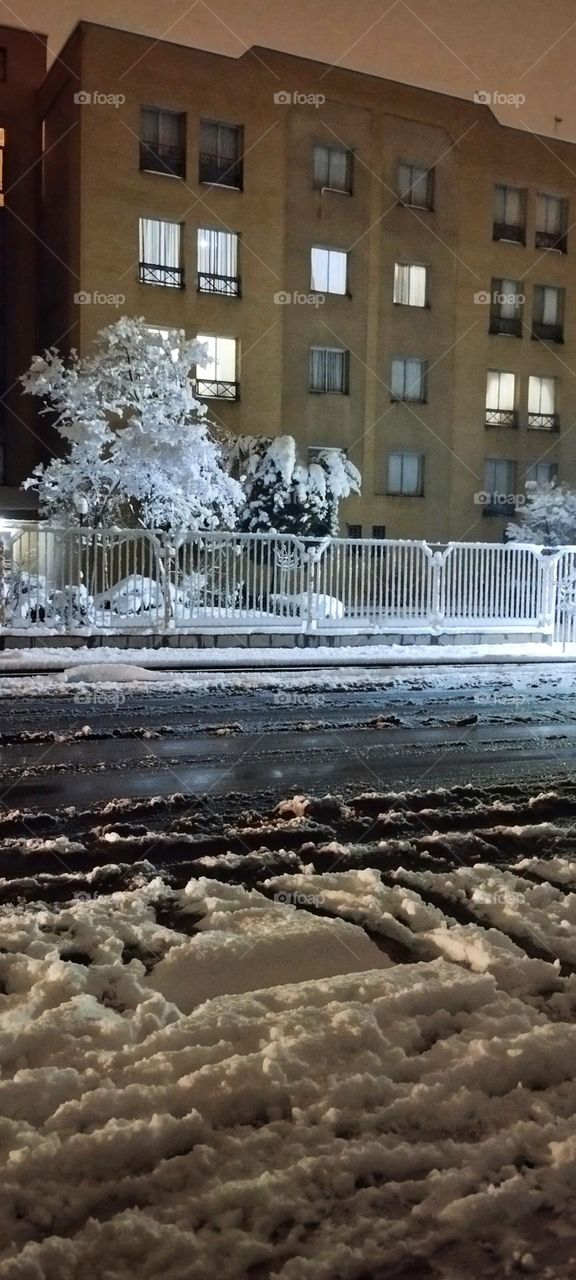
x,y
3,61
220,154
218,262
416,185
332,169
329,270
552,223
329,370
510,214
501,399
410,284
216,380
542,473
548,317
541,404
379,531
160,253
406,474
163,142
506,308
500,487
408,379
353,530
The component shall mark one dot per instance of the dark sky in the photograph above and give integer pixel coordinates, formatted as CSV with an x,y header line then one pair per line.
x,y
513,47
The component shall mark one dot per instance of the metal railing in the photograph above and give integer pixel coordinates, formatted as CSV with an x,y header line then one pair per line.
x,y
158,273
208,282
501,418
163,157
83,581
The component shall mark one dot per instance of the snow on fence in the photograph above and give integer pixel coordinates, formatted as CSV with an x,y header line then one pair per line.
x,y
100,580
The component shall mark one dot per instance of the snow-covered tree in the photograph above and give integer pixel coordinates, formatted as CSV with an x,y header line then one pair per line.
x,y
548,517
136,439
284,494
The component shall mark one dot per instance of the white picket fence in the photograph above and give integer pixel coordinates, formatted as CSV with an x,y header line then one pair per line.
x,y
87,581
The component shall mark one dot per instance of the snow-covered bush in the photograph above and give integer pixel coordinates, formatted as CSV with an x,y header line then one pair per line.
x,y
548,517
28,598
284,494
317,607
137,442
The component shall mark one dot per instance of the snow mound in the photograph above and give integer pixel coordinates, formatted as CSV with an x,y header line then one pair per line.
x,y
111,672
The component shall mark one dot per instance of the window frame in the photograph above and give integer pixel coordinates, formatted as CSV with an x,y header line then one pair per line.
x,y
429,172
220,388
345,370
147,146
231,284
330,249
505,226
340,150
404,399
401,492
543,330
497,415
495,508
236,165
543,239
417,306
144,267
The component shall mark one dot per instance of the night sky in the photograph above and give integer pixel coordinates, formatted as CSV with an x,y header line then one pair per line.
x,y
525,47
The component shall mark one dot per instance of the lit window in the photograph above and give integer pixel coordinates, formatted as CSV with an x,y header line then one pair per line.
x,y
329,270
500,399
216,379
410,284
506,305
160,253
218,262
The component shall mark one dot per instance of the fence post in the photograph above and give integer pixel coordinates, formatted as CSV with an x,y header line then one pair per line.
x,y
549,565
164,556
2,582
436,570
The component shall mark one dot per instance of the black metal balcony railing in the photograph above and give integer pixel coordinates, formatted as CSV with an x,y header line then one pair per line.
x,y
506,231
501,418
495,508
544,421
210,283
156,273
159,157
208,389
220,171
547,332
512,325
552,240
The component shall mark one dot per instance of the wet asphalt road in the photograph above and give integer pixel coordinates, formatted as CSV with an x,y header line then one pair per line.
x,y
260,741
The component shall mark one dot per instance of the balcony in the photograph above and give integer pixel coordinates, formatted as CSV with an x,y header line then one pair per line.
x,y
157,273
544,421
208,389
159,157
557,240
229,286
219,171
501,418
547,332
511,325
505,231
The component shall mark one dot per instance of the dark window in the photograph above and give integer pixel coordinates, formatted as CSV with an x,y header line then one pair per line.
x,y
416,185
3,64
379,531
163,142
552,223
354,530
332,169
329,370
506,308
220,154
510,214
548,318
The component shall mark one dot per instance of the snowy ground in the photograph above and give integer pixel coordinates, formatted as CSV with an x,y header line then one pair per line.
x,y
310,1038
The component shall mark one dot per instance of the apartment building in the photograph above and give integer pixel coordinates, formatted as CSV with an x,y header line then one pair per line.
x,y
22,71
374,267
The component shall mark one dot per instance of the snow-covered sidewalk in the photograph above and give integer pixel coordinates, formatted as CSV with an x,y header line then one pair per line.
x,y
212,1082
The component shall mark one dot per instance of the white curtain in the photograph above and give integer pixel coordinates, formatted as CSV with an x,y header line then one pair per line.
x,y
407,382
500,390
329,270
541,395
499,475
510,206
331,168
551,214
217,252
410,284
414,185
160,242
548,304
404,473
509,305
328,369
